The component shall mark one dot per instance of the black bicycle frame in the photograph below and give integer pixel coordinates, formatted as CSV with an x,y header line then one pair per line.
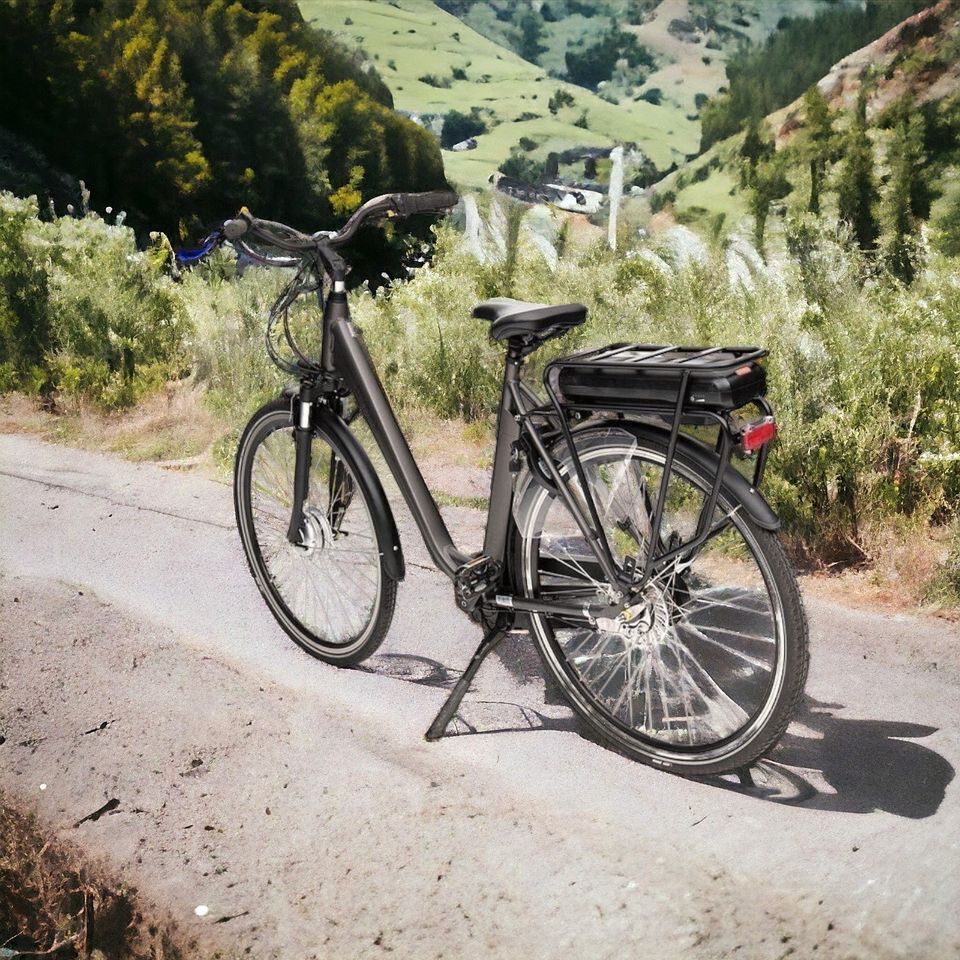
x,y
346,364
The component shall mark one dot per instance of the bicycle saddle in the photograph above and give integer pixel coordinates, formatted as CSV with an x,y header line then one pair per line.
x,y
532,321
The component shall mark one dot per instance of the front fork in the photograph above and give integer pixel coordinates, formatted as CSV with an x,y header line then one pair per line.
x,y
302,434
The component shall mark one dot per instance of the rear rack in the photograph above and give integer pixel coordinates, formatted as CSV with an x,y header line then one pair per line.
x,y
665,359
642,377
676,384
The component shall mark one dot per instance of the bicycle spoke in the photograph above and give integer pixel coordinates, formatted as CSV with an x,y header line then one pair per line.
x,y
699,666
331,581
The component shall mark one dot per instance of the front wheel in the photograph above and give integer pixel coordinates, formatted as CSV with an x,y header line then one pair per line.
x,y
329,591
704,677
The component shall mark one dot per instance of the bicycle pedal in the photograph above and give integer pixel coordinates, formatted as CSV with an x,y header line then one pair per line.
x,y
474,580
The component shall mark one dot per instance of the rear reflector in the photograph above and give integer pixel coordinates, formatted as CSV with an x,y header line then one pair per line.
x,y
755,435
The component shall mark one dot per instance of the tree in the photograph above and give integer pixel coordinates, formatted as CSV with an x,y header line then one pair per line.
x,y
947,226
757,146
816,142
459,126
909,146
595,63
531,32
560,98
906,184
768,183
522,168
856,186
179,111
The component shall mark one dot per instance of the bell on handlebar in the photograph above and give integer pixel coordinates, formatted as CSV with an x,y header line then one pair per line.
x,y
236,228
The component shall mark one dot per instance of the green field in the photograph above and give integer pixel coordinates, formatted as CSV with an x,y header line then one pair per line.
x,y
408,39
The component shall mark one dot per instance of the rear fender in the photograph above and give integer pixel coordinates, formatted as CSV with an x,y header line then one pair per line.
x,y
734,486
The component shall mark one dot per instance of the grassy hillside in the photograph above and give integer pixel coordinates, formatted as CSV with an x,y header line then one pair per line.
x,y
691,41
688,62
409,39
694,63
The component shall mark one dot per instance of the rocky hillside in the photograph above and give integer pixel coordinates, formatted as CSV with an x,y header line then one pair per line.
x,y
919,58
913,68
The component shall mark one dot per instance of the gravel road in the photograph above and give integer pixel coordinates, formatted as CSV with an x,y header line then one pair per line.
x,y
300,804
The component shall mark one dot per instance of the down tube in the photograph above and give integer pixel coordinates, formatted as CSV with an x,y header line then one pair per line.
x,y
353,364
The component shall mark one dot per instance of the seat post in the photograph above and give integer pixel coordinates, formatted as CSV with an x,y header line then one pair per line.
x,y
501,483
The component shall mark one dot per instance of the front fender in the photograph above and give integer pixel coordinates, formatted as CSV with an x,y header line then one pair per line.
x,y
381,514
380,509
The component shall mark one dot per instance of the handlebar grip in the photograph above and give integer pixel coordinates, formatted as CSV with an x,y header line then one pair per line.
x,y
434,201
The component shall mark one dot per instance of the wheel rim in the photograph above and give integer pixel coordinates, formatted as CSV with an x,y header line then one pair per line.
x,y
328,586
696,673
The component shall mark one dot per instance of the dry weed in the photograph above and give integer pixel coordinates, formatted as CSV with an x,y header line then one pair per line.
x,y
55,903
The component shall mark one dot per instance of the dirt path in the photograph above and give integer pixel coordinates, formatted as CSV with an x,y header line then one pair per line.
x,y
301,805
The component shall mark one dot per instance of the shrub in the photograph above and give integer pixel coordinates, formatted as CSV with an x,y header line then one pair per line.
x,y
24,309
459,126
561,98
432,80
662,199
82,310
522,168
117,323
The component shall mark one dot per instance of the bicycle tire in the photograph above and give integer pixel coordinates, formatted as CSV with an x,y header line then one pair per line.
x,y
360,634
768,721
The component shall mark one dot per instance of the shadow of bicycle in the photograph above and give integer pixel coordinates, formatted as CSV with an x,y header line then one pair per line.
x,y
824,762
870,765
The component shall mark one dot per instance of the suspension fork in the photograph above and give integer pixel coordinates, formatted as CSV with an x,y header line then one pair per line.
x,y
302,435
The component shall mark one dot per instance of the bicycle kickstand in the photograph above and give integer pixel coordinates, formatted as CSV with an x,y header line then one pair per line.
x,y
449,708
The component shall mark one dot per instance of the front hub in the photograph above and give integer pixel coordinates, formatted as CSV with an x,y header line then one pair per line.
x,y
315,532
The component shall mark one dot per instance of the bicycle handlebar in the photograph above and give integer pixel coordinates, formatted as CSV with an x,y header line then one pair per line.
x,y
288,239
395,204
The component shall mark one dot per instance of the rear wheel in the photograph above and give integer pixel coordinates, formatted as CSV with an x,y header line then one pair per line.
x,y
705,675
330,591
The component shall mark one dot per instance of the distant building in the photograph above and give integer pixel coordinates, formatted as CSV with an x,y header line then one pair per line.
x,y
573,199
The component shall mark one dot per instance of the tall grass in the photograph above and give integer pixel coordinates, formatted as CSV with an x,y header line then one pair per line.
x,y
864,371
